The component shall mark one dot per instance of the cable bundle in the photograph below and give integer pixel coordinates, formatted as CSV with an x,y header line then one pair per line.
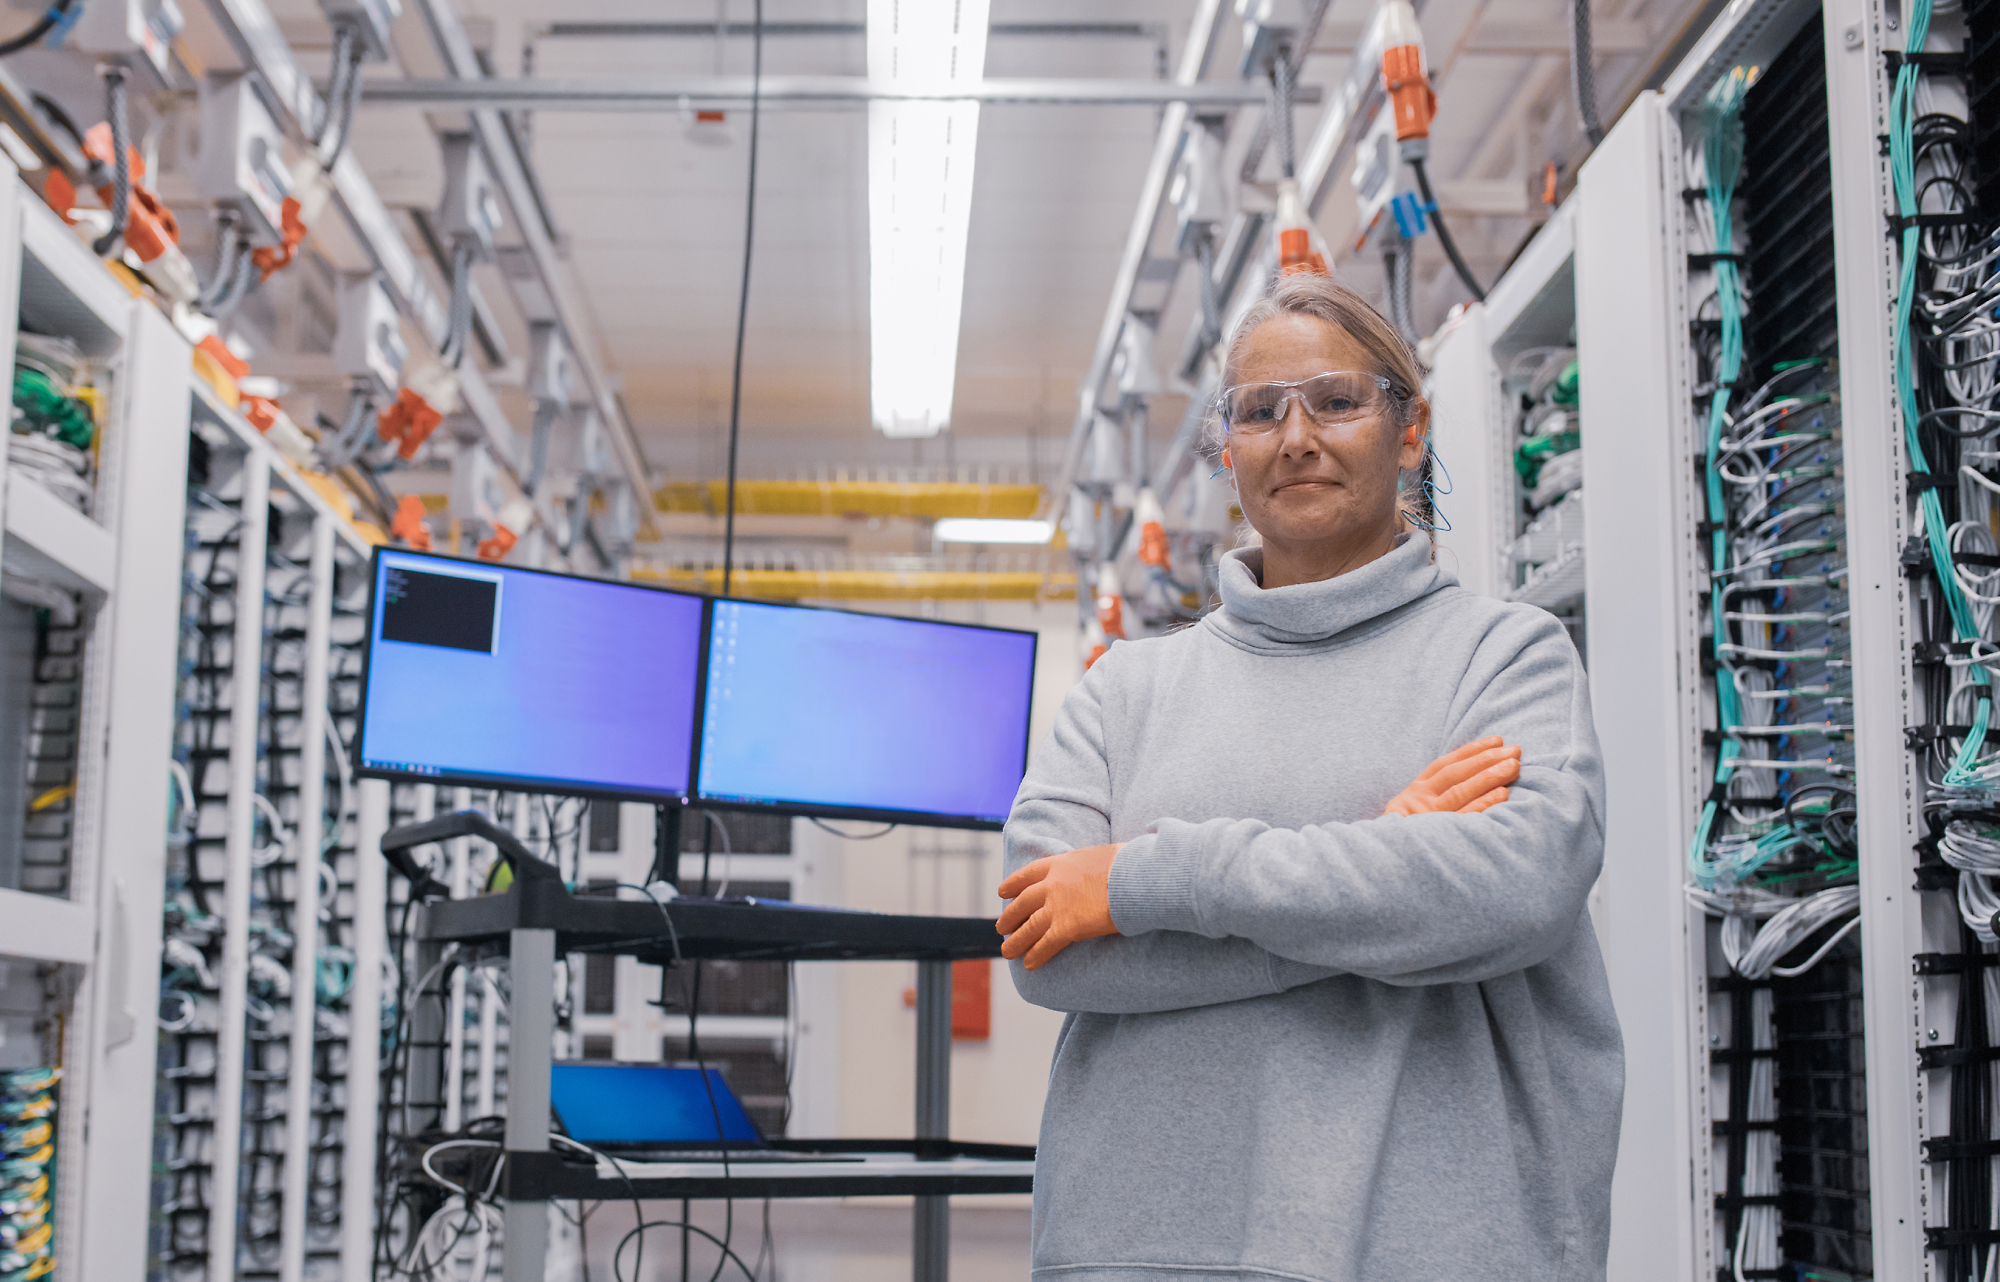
x,y
27,1164
1777,824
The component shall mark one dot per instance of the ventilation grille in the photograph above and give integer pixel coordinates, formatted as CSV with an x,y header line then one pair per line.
x,y
1787,204
1982,88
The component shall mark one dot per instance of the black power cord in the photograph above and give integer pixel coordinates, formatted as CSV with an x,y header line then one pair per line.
x,y
743,293
33,35
121,162
1444,236
1583,71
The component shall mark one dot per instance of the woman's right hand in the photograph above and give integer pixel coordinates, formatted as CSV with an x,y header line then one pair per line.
x,y
1472,779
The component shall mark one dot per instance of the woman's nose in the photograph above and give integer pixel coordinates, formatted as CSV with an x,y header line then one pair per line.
x,y
1297,433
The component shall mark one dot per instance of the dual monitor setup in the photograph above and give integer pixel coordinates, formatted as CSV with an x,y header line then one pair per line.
x,y
483,675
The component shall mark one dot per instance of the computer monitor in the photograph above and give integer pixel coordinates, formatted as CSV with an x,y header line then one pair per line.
x,y
866,716
493,676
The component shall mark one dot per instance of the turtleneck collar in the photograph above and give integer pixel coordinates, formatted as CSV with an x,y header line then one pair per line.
x,y
1270,620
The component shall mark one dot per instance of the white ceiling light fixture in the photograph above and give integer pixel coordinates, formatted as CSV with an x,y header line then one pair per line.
x,y
920,157
991,529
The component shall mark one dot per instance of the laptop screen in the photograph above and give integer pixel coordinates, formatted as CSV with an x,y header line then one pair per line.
x,y
626,1104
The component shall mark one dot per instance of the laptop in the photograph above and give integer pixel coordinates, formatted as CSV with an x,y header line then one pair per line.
x,y
658,1113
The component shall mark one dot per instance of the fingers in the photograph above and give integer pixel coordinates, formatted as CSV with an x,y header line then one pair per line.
x,y
1485,803
1051,942
1023,907
1458,772
1474,748
1494,776
1025,876
1030,933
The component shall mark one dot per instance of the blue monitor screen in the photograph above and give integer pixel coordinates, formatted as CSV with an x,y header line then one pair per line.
x,y
489,674
647,1104
841,714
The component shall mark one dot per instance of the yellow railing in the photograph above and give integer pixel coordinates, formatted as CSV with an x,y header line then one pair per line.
x,y
909,499
868,585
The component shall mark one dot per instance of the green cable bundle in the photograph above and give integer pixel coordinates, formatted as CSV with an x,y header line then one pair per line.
x,y
1530,454
49,410
1563,391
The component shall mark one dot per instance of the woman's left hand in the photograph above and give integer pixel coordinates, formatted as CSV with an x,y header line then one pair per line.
x,y
1057,901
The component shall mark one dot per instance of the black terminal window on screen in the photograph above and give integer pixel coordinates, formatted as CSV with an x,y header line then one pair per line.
x,y
439,609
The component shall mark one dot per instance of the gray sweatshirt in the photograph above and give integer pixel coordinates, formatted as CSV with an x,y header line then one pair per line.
x,y
1327,1045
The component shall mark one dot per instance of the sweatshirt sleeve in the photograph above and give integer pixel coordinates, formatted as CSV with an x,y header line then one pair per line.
x,y
1065,804
1424,899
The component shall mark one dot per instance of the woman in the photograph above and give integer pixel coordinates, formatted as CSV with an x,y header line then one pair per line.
x,y
1321,1029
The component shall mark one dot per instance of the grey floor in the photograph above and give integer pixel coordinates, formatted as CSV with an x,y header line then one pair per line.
x,y
813,1241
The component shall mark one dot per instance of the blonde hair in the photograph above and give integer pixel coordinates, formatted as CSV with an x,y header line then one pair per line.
x,y
1325,299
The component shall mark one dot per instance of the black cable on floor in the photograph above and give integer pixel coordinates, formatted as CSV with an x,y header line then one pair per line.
x,y
1444,236
743,294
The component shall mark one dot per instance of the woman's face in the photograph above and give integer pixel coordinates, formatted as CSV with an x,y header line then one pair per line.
x,y
1302,484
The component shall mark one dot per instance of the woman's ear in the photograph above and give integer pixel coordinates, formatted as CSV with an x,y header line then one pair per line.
x,y
1410,451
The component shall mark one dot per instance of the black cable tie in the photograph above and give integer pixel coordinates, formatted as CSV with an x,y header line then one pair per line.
x,y
1953,964
1703,529
1952,1056
1931,653
1980,560
1918,482
1899,223
1725,1127
1936,878
1941,61
1942,1239
1725,1201
1917,738
1719,794
1698,261
1944,1148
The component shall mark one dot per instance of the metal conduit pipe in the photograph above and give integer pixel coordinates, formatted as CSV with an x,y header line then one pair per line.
x,y
289,94
1195,56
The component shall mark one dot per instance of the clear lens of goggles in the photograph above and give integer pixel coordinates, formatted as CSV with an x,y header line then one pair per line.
x,y
1251,409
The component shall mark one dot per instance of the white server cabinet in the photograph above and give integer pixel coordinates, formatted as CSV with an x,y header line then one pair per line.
x,y
81,886
1493,368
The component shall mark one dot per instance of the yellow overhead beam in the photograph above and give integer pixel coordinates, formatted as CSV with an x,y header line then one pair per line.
x,y
912,499
869,585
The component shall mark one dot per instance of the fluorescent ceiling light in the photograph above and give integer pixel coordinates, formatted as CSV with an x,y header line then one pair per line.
x,y
920,158
984,529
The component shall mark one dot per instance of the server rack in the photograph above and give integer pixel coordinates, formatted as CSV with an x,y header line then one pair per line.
x,y
1502,386
1725,648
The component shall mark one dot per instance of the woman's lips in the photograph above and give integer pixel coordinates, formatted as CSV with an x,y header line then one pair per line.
x,y
1314,483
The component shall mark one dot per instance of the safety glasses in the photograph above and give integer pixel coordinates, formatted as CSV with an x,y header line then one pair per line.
x,y
1331,400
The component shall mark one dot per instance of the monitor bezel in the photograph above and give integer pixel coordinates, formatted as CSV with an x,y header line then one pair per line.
x,y
526,783
871,814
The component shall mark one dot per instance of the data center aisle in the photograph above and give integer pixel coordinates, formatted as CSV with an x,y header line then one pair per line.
x,y
813,1241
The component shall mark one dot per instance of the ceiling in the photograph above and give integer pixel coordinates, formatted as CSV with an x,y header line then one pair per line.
x,y
650,209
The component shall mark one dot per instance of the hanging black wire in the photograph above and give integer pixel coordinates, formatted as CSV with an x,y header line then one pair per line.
x,y
1583,71
743,293
33,35
121,163
1444,236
